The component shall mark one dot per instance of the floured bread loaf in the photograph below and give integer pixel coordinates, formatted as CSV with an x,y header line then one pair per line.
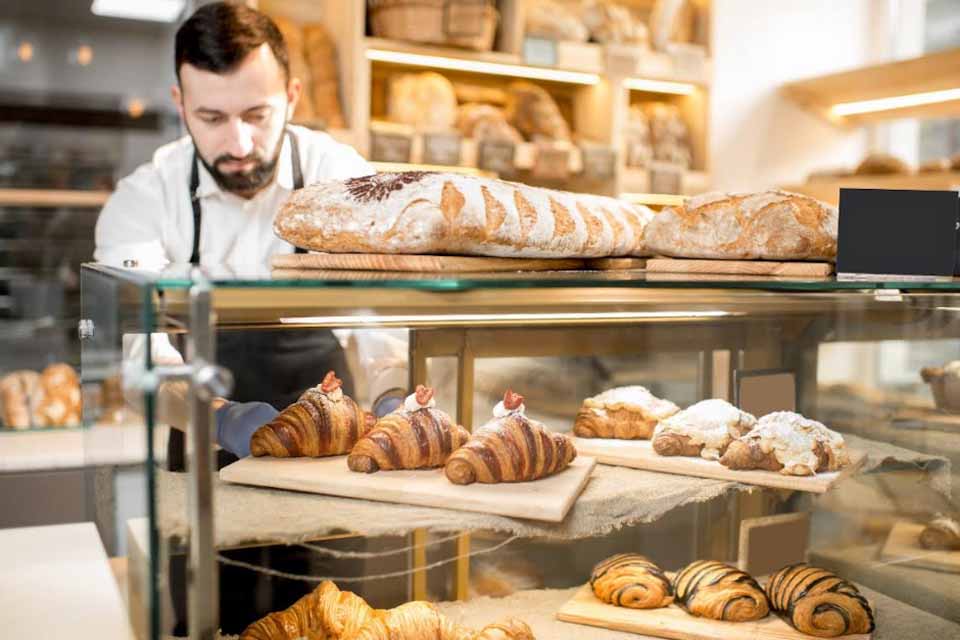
x,y
442,213
769,225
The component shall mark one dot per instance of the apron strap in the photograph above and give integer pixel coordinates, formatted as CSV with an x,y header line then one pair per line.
x,y
195,201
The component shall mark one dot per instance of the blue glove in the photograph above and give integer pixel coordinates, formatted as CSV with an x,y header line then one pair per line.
x,y
388,402
236,422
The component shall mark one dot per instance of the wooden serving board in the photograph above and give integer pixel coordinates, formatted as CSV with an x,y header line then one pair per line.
x,y
903,547
673,622
548,499
431,263
616,264
741,267
639,454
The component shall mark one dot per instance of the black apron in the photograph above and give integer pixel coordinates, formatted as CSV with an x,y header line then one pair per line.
x,y
273,366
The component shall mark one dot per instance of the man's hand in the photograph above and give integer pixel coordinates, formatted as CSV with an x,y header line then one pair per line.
x,y
388,402
236,422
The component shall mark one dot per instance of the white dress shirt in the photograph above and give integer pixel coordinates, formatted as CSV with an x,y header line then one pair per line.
x,y
149,217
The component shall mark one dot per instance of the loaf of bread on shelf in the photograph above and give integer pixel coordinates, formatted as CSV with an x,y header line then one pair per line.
x,y
704,429
715,590
942,532
535,114
787,442
637,141
669,134
818,602
510,448
293,37
882,164
936,165
323,422
415,436
423,100
485,122
554,20
325,612
631,580
611,23
20,400
442,213
60,403
626,413
321,56
769,225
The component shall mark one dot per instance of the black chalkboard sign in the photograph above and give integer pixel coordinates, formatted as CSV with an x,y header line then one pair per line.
x,y
898,232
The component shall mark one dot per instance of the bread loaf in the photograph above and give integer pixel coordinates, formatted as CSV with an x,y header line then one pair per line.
x,y
486,122
442,213
20,398
769,225
876,164
554,21
534,112
321,55
610,23
423,100
293,36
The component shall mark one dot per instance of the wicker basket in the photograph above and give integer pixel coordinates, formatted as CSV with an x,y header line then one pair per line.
x,y
471,24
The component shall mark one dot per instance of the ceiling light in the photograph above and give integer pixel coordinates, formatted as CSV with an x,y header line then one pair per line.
x,y
480,66
660,86
894,102
152,10
498,319
84,55
25,51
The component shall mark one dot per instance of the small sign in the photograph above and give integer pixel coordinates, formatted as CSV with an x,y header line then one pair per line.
x,y
898,232
496,156
666,178
389,147
464,18
552,163
622,59
540,51
599,163
763,391
441,148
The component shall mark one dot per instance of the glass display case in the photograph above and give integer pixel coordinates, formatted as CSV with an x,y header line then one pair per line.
x,y
223,547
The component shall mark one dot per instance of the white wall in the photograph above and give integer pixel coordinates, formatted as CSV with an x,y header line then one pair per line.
x,y
758,138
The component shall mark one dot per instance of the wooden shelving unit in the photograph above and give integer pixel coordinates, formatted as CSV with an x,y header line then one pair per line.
x,y
935,72
593,96
52,198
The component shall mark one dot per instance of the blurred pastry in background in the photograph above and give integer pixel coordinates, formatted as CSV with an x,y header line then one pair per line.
x,y
611,23
423,100
669,134
555,21
486,122
942,533
20,397
534,113
321,55
639,146
936,165
293,36
876,164
61,405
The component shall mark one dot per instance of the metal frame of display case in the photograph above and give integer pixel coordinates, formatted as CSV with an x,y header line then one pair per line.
x,y
736,327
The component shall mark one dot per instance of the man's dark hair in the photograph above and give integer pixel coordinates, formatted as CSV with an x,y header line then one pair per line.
x,y
219,35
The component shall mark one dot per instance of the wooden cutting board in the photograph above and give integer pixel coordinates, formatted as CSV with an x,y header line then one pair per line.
x,y
903,547
548,499
616,264
639,454
741,267
673,622
397,262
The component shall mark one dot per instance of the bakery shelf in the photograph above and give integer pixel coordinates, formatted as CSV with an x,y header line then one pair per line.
x,y
828,190
924,87
50,198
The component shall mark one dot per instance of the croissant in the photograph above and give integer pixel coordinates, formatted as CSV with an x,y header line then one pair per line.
x,y
508,629
323,422
624,412
411,621
630,580
326,613
942,532
510,448
789,443
703,429
819,603
416,436
718,591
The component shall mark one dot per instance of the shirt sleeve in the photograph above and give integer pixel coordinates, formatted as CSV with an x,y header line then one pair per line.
x,y
130,225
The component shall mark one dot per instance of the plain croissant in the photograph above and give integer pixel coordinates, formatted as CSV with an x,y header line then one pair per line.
x,y
423,621
422,438
510,448
324,613
323,422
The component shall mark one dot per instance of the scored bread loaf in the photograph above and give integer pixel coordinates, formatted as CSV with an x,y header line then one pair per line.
x,y
440,213
768,225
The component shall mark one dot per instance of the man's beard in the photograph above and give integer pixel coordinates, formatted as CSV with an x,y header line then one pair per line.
x,y
245,183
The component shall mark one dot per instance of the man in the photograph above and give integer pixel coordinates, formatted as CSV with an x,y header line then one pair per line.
x,y
210,199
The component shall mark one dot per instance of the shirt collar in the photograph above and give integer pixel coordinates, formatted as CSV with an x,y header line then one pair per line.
x,y
207,186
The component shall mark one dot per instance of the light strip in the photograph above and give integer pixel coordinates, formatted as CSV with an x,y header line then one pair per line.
x,y
894,102
658,199
151,10
506,318
660,86
480,66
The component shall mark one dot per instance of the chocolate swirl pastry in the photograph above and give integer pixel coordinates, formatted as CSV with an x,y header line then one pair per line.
x,y
818,602
718,591
630,580
416,436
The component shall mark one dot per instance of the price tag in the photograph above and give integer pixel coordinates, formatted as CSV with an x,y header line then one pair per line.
x,y
540,51
666,178
389,147
496,156
441,148
621,59
599,163
891,232
552,163
464,18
